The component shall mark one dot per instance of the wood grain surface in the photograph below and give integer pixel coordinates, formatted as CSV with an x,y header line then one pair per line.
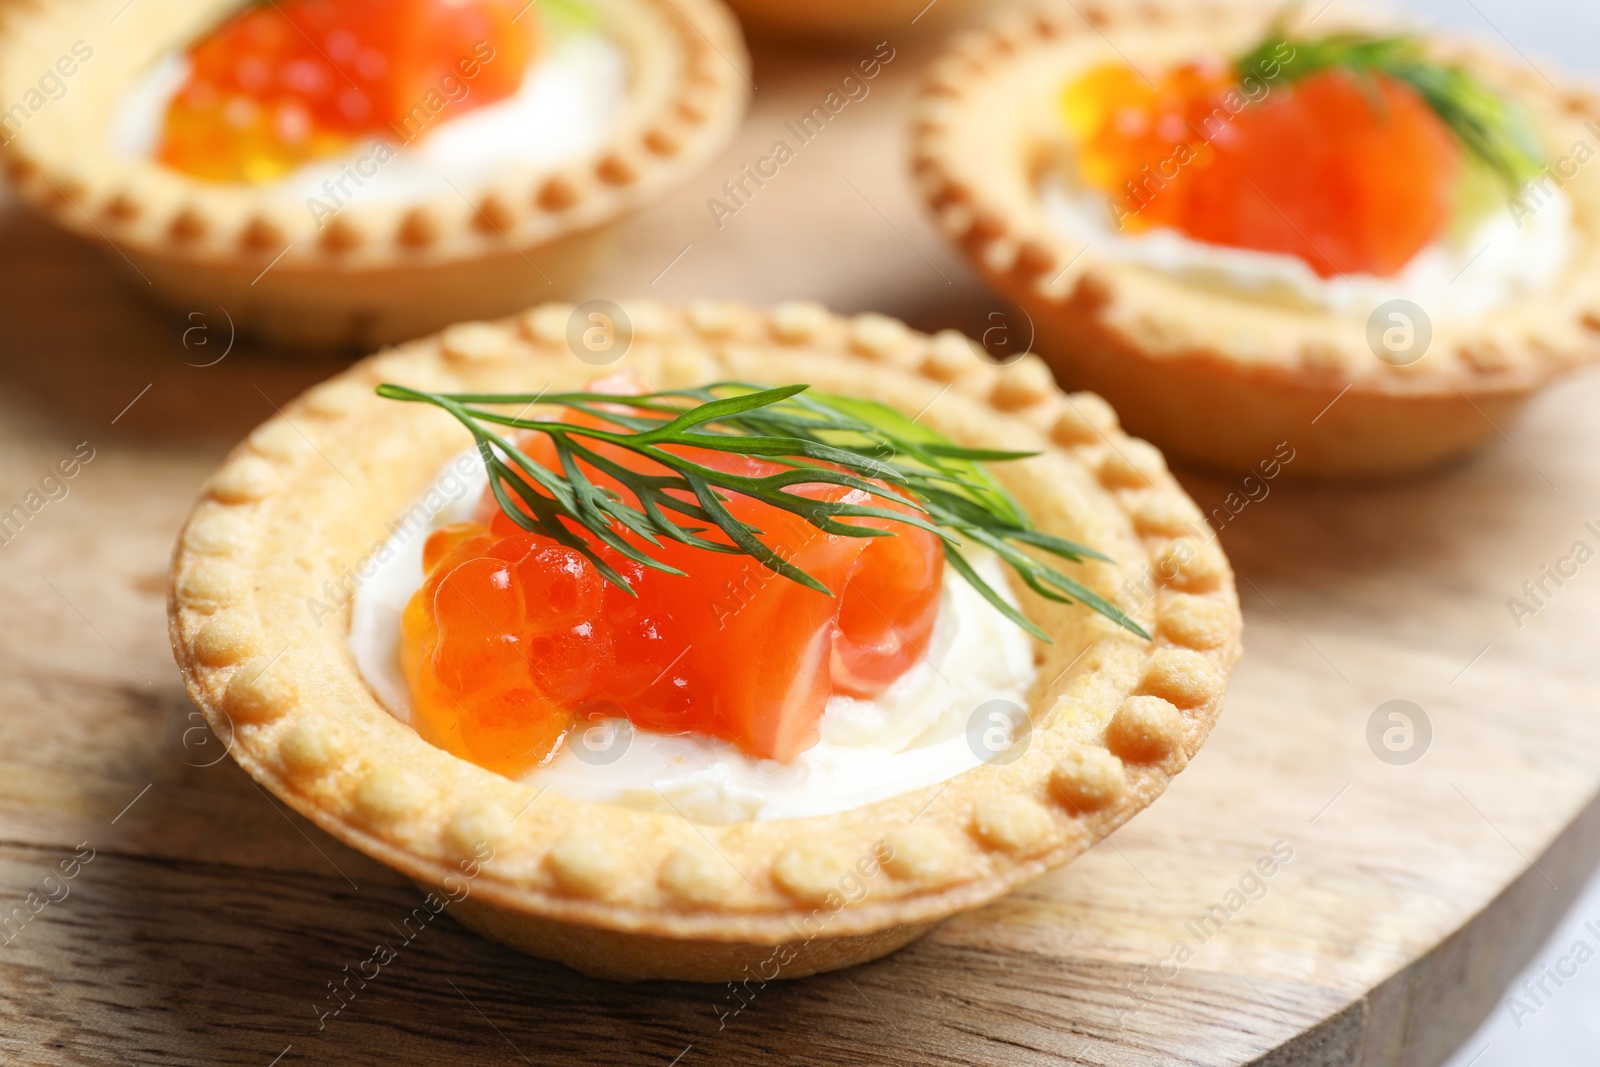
x,y
209,922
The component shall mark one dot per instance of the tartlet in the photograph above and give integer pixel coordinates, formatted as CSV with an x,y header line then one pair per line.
x,y
1211,376
624,893
375,272
847,20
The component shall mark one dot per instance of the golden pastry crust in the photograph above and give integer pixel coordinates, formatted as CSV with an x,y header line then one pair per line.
x,y
1211,377
372,272
849,20
308,495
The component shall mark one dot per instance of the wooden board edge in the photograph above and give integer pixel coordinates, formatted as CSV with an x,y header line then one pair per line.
x,y
1420,1015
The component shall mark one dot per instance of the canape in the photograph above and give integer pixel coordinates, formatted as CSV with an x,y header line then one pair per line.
x,y
776,21
1243,227
354,172
785,639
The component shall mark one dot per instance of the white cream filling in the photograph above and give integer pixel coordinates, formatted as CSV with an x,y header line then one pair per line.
x,y
566,106
1494,265
914,735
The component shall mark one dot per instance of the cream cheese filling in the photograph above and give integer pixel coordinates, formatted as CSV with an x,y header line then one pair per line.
x,y
918,733
566,107
1500,261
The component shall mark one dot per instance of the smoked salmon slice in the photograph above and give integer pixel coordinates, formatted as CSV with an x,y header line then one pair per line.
x,y
514,639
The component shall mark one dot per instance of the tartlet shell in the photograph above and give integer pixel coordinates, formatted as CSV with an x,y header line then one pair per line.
x,y
783,21
1212,378
306,498
374,272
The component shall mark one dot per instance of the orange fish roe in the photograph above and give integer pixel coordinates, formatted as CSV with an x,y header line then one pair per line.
x,y
284,83
1352,176
514,639
1127,129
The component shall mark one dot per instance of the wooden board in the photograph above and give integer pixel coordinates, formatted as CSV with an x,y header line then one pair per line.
x,y
208,924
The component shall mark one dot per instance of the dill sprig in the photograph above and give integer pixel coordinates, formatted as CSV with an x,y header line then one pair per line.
x,y
816,437
1489,127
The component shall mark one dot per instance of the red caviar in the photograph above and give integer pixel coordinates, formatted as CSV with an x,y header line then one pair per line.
x,y
1352,176
514,639
284,83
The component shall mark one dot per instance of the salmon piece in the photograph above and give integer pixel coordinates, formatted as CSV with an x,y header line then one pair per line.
x,y
1350,175
513,639
1353,178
